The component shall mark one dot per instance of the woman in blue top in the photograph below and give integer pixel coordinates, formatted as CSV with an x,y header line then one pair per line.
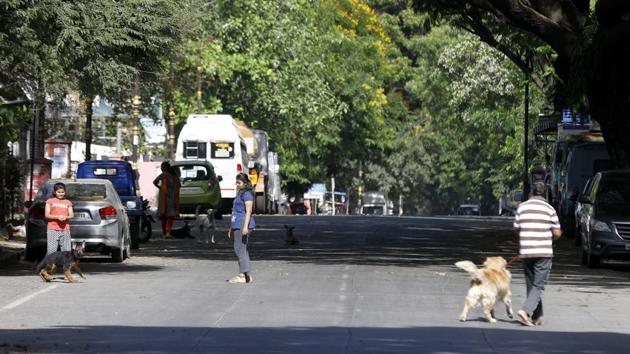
x,y
242,226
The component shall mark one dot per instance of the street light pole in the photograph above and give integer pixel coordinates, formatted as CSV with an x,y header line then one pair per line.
x,y
135,113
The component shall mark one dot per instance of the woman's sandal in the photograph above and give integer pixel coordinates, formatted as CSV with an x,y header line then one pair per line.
x,y
237,279
248,278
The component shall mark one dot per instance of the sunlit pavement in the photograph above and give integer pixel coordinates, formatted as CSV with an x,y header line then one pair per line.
x,y
352,285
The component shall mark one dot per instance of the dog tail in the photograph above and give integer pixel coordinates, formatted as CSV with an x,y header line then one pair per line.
x,y
470,267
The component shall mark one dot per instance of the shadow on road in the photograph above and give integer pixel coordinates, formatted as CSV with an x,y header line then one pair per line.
x,y
377,241
122,339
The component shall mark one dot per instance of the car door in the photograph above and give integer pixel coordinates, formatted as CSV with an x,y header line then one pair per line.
x,y
588,210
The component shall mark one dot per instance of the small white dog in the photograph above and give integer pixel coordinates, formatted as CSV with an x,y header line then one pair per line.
x,y
203,226
487,285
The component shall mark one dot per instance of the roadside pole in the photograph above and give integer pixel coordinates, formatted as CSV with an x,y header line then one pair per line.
x,y
332,187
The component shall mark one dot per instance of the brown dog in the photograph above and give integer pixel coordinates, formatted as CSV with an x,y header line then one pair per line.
x,y
66,260
487,285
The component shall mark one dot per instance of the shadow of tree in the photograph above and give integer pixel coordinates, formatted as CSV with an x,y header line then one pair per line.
x,y
125,339
379,241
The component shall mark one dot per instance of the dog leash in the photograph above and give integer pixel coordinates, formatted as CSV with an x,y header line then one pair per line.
x,y
514,259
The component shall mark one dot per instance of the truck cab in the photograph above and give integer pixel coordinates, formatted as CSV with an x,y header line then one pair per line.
x,y
124,178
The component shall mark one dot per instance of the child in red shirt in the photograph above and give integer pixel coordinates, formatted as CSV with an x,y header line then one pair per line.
x,y
58,212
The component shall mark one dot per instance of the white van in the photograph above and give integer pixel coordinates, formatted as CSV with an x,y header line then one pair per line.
x,y
215,137
583,161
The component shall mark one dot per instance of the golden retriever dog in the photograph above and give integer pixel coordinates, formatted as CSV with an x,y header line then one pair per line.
x,y
487,285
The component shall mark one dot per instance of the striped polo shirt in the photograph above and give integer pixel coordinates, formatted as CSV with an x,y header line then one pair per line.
x,y
534,220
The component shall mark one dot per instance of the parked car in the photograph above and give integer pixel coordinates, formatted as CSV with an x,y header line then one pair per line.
x,y
200,186
469,209
99,219
123,177
605,223
509,202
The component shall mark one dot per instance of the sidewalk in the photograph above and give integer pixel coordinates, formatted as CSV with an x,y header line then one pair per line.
x,y
11,251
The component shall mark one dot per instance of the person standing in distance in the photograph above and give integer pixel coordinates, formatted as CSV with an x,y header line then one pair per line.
x,y
537,225
241,227
58,212
168,197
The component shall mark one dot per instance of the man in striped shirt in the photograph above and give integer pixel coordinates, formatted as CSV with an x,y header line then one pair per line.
x,y
537,225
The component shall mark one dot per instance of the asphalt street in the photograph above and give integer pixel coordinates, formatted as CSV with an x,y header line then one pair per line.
x,y
352,285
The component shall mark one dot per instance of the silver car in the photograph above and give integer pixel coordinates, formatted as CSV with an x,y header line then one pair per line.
x,y
99,219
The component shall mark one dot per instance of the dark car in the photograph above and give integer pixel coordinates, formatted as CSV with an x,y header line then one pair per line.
x,y
123,177
605,222
469,209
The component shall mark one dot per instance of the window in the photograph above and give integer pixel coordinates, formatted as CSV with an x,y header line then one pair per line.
x,y
86,192
195,149
194,172
222,150
104,171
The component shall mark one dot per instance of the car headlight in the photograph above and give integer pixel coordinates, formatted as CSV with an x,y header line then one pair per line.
x,y
131,204
601,226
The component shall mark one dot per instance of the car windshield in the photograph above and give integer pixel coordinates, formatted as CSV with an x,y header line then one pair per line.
x,y
193,172
614,191
76,191
86,192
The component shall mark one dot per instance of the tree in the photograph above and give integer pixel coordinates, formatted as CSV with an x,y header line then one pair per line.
x,y
588,51
107,47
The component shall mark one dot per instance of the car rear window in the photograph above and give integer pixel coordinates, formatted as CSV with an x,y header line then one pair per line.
x,y
194,172
86,192
105,171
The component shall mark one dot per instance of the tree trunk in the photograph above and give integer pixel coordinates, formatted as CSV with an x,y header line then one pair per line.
x,y
609,88
87,107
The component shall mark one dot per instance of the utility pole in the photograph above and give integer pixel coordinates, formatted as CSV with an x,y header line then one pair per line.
x,y
171,131
135,130
360,190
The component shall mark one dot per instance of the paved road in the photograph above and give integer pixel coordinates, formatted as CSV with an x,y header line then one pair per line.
x,y
353,285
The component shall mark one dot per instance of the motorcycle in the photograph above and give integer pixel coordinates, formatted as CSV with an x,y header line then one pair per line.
x,y
146,229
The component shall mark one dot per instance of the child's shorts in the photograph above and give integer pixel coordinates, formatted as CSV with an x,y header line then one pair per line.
x,y
57,238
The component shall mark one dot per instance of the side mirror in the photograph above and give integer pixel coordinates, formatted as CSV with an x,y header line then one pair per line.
x,y
28,204
219,178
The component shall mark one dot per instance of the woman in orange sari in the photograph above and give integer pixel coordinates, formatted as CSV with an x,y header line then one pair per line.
x,y
168,198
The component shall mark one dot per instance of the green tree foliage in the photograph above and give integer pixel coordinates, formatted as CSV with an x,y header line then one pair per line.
x,y
310,74
465,143
582,45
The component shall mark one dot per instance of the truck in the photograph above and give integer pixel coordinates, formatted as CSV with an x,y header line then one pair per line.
x,y
569,134
215,138
376,203
124,178
265,180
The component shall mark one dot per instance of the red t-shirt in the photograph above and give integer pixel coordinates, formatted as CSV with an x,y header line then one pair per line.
x,y
59,207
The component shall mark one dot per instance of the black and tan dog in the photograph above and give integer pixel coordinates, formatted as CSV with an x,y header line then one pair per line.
x,y
66,260
291,240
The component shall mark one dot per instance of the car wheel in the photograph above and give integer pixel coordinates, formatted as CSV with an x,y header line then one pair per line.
x,y
134,229
146,231
590,260
127,252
